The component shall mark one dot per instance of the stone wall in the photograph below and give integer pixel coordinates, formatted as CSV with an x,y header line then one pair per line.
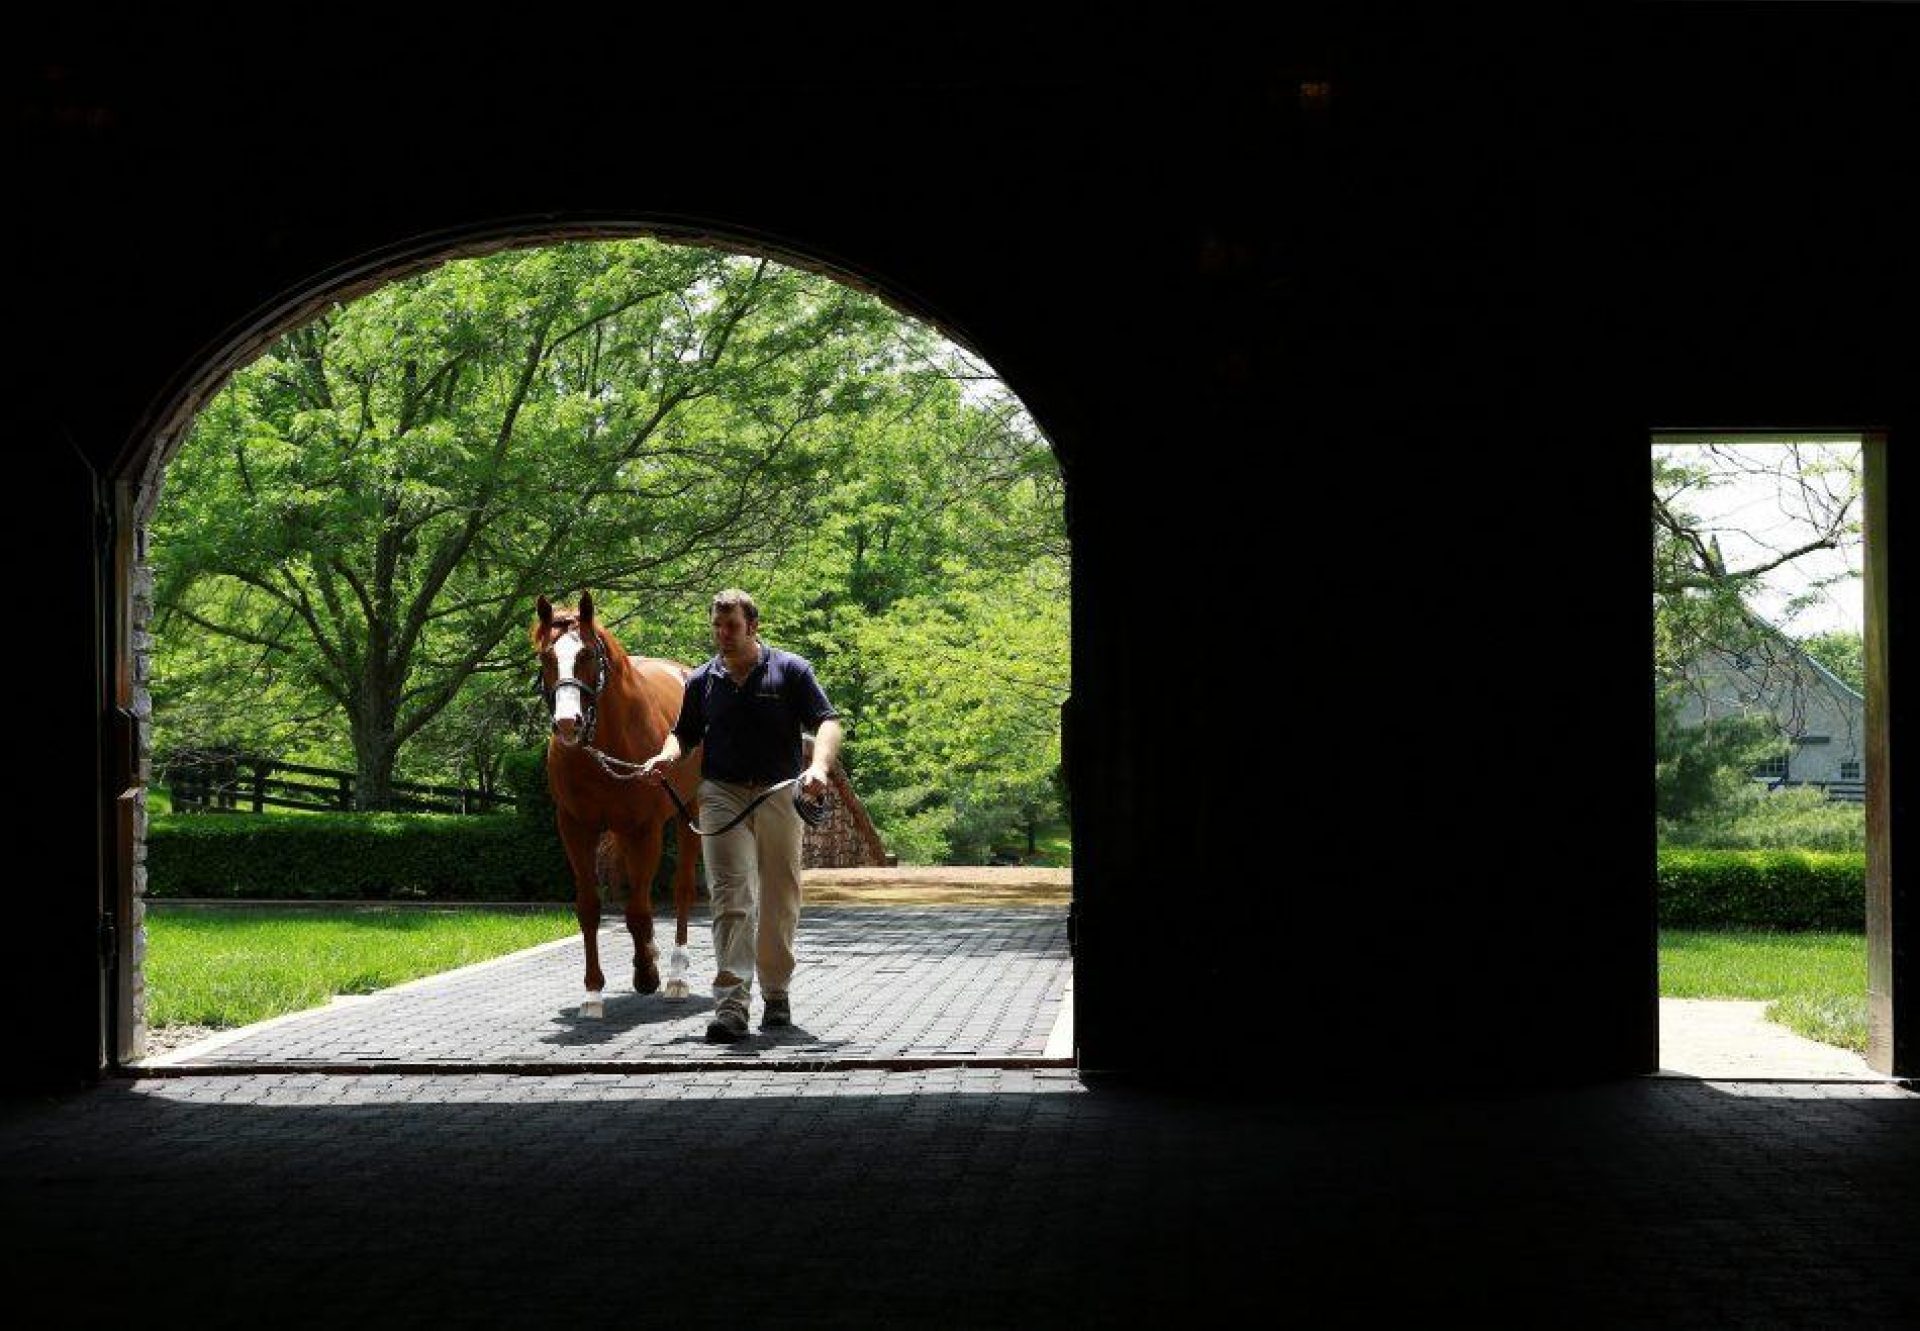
x,y
141,640
848,839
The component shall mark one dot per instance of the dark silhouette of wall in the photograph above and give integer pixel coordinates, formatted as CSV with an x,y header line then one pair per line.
x,y
1349,336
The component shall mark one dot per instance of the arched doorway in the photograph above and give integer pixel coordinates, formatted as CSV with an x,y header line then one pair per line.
x,y
138,483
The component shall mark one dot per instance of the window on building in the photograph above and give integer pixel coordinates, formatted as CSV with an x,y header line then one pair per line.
x,y
1772,769
1849,769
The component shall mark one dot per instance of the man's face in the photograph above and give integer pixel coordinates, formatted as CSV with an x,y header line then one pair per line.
x,y
730,631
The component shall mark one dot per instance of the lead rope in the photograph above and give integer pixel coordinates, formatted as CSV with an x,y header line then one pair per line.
x,y
622,770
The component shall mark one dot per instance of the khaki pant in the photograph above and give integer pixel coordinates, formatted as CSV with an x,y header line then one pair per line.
x,y
753,876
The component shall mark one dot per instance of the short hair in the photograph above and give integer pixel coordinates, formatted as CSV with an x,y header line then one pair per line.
x,y
733,598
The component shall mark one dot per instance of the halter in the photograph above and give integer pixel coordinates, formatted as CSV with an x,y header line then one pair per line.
x,y
590,693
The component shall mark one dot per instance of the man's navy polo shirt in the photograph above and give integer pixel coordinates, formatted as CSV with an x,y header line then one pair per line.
x,y
752,730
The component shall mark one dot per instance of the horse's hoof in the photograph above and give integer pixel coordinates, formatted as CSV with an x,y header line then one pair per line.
x,y
646,982
591,1006
678,989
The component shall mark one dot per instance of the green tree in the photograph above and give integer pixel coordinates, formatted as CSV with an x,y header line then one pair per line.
x,y
1702,600
374,504
1699,768
933,597
964,705
1843,652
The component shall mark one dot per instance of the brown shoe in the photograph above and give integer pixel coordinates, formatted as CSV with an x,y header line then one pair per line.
x,y
729,1024
778,1012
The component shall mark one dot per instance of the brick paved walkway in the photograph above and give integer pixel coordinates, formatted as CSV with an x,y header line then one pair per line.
x,y
893,982
954,1198
646,1176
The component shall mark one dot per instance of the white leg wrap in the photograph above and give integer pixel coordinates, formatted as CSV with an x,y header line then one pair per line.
x,y
676,986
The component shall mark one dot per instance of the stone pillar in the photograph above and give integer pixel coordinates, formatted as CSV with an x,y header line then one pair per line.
x,y
142,644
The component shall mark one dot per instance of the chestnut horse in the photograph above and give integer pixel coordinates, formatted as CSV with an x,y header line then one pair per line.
x,y
611,712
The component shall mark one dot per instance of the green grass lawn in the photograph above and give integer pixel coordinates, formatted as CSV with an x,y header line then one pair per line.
x,y
226,967
1815,983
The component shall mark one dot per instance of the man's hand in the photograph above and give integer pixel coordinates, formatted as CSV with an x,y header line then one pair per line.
x,y
813,782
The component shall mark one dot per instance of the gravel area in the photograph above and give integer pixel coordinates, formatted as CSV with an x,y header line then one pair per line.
x,y
940,885
164,1039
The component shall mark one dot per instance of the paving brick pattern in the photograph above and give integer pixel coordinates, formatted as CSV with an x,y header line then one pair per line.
x,y
957,1197
884,983
709,1192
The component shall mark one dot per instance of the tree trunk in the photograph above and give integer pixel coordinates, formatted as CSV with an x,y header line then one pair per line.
x,y
373,776
374,755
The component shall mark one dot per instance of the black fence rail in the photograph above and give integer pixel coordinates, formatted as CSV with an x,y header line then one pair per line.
x,y
215,784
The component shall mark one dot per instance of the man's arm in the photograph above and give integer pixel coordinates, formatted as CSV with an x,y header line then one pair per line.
x,y
810,704
692,719
826,747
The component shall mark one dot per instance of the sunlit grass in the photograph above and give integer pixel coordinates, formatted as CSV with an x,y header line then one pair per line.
x,y
1815,984
1053,847
230,967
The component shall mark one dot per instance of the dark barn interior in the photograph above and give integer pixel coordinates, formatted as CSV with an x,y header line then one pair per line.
x,y
1350,335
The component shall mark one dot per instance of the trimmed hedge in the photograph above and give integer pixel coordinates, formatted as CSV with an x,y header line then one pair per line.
x,y
355,857
524,773
374,856
1768,889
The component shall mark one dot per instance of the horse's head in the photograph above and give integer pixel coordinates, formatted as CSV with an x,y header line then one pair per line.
x,y
576,660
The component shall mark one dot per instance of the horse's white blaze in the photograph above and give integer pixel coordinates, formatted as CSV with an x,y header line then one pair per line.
x,y
566,702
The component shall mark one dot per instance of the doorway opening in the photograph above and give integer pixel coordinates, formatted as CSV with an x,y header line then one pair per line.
x,y
326,604
1769,740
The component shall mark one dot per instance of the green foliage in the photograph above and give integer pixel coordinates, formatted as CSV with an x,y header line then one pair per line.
x,y
1842,652
524,773
1697,601
1779,889
364,516
913,822
963,688
357,857
1698,769
1754,818
351,541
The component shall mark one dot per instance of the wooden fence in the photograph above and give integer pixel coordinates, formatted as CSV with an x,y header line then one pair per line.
x,y
239,784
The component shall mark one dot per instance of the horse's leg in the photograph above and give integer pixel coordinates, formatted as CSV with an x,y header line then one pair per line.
x,y
640,848
580,838
687,853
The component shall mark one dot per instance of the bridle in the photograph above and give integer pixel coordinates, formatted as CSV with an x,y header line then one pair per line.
x,y
589,693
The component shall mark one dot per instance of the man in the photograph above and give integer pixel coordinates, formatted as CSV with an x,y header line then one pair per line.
x,y
749,704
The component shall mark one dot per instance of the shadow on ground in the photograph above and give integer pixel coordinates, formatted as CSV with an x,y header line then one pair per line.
x,y
954,1198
